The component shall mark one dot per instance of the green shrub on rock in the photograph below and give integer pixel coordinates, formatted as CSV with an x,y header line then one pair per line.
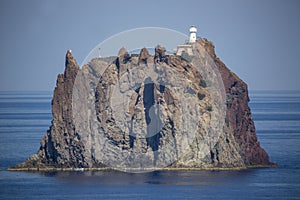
x,y
201,95
203,83
209,108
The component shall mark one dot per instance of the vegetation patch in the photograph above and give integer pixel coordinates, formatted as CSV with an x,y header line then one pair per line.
x,y
201,95
209,108
203,83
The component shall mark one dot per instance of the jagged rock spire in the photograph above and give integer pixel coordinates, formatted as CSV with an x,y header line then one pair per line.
x,y
144,55
160,54
71,66
122,51
123,56
70,60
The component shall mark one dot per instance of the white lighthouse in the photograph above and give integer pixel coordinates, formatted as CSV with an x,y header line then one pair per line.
x,y
193,36
188,47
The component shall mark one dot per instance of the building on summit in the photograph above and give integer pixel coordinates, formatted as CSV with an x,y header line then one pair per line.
x,y
187,47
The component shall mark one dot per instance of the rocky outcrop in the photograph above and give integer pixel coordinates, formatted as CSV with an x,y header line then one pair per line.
x,y
144,55
160,54
61,146
161,140
238,115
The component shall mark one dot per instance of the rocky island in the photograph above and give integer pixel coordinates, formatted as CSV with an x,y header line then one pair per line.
x,y
192,127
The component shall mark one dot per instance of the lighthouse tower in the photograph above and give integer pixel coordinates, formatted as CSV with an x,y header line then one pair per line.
x,y
188,47
193,36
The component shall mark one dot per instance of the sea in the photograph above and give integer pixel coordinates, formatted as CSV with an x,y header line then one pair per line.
x,y
26,116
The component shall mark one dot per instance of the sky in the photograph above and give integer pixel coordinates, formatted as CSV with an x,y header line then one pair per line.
x,y
258,40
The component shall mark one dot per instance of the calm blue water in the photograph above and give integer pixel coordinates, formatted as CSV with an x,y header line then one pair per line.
x,y
25,117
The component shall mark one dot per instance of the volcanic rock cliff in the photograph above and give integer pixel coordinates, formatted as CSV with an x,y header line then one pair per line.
x,y
72,144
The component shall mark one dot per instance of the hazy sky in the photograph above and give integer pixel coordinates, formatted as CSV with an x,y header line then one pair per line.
x,y
258,40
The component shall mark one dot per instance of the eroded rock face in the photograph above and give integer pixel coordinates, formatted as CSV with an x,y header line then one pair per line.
x,y
238,116
66,145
